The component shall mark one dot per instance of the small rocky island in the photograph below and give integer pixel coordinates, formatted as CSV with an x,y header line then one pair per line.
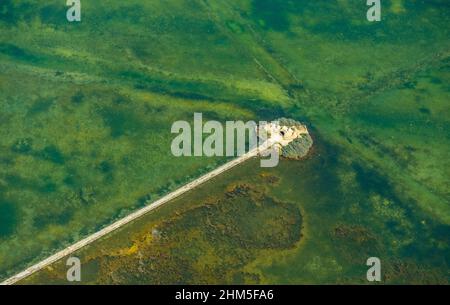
x,y
292,138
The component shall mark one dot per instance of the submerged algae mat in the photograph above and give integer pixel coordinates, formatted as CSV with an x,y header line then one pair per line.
x,y
86,112
283,225
378,90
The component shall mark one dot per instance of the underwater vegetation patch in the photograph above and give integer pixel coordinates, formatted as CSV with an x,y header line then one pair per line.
x,y
17,52
271,14
87,108
8,218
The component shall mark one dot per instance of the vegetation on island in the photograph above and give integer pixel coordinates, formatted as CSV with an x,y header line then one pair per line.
x,y
299,147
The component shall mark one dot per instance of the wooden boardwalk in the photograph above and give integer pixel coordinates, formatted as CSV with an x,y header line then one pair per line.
x,y
135,215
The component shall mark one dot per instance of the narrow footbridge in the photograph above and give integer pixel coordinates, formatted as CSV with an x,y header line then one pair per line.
x,y
137,214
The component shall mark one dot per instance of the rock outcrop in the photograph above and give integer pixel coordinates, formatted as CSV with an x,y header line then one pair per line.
x,y
292,137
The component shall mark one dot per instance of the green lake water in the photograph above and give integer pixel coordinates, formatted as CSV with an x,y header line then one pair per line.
x,y
86,111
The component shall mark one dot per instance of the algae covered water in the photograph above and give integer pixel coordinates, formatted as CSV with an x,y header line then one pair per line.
x,y
86,111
